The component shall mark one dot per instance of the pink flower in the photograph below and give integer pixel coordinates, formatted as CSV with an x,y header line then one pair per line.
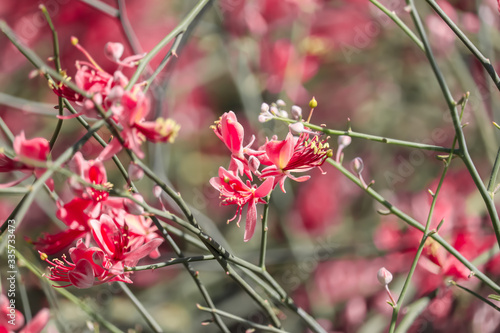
x,y
36,149
294,155
118,245
84,273
231,132
235,192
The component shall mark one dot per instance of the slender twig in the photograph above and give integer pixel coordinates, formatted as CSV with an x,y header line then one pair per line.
x,y
178,29
194,274
399,304
127,28
171,262
494,174
472,48
6,130
473,293
164,62
103,7
142,310
490,205
42,109
263,242
375,138
57,63
415,224
393,16
260,327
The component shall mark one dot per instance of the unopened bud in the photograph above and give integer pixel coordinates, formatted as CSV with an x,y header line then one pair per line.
x,y
113,51
135,172
344,141
280,103
115,94
313,103
274,110
157,191
132,207
296,112
357,165
264,107
283,114
254,163
297,128
384,276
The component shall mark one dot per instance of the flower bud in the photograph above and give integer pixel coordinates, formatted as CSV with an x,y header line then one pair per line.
x,y
281,103
274,110
254,163
264,108
132,207
384,276
296,112
113,51
357,165
135,172
344,141
283,114
297,128
313,103
157,191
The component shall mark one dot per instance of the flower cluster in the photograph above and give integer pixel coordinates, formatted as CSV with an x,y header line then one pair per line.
x,y
280,158
119,228
129,106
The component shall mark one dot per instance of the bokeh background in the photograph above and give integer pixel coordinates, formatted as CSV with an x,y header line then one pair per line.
x,y
327,240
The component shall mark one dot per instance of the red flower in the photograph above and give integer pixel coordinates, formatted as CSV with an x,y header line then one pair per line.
x,y
36,149
235,192
119,246
231,132
294,155
84,273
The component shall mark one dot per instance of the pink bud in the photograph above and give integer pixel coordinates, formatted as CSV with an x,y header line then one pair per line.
x,y
157,191
132,207
344,141
296,128
296,112
135,172
113,51
384,276
357,165
254,163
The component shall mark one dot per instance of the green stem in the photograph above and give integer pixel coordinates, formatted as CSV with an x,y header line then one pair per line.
x,y
191,16
142,310
171,262
473,293
263,242
490,205
421,246
375,138
164,61
393,16
415,224
494,174
261,328
472,48
194,274
103,7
